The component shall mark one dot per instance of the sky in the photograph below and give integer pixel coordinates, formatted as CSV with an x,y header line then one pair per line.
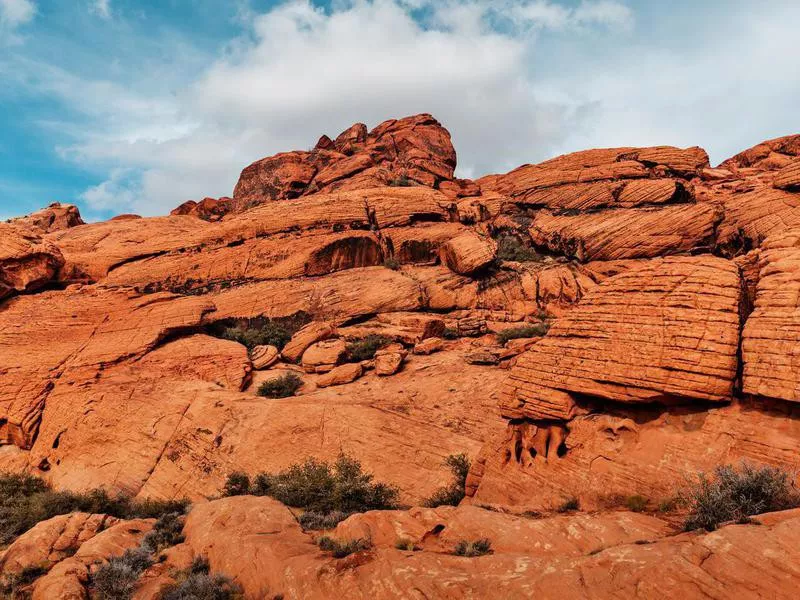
x,y
134,106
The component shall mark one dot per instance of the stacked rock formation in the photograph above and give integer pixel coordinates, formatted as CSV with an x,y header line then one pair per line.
x,y
603,323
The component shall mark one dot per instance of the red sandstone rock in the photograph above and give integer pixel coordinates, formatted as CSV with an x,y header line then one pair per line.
x,y
55,217
468,252
27,262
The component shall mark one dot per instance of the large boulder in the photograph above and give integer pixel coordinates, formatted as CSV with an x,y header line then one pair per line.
x,y
27,261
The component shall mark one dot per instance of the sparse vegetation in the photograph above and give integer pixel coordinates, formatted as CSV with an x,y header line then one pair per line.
x,y
117,579
734,494
196,583
525,331
568,505
26,500
479,547
327,492
636,503
167,532
366,347
452,494
13,587
391,263
284,386
343,548
402,181
318,520
511,248
406,545
237,484
259,331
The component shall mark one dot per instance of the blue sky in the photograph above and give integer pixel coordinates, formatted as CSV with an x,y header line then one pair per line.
x,y
135,106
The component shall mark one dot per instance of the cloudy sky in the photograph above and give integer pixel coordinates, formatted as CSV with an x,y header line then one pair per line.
x,y
137,105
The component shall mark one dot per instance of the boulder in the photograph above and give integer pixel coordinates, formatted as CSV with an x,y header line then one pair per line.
x,y
340,375
264,357
468,252
389,359
305,337
55,217
429,346
323,356
788,178
27,261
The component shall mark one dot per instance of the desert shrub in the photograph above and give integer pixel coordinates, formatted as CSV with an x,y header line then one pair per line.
x,y
453,494
259,331
510,247
281,387
636,503
568,505
202,586
733,494
319,520
12,587
167,532
402,181
476,548
27,500
366,347
117,579
406,544
326,489
525,331
237,484
391,263
450,334
343,548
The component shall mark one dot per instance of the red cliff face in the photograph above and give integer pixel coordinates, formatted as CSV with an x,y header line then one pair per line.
x,y
596,327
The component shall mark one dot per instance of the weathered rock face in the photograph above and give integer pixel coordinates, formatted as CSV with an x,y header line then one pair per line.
x,y
27,262
667,329
411,151
668,288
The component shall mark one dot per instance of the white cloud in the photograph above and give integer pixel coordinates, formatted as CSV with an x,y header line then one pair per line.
x,y
483,68
14,13
101,8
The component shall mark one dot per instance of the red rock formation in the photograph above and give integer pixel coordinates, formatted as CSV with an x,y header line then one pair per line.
x,y
27,261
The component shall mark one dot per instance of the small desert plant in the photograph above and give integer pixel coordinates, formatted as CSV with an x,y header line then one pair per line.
x,y
568,505
343,548
27,500
391,263
167,532
366,347
402,181
117,579
259,331
525,331
452,494
733,494
476,548
510,248
636,503
281,387
237,484
318,520
406,544
668,505
322,488
195,583
12,587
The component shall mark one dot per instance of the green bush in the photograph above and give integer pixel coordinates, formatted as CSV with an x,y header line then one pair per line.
x,y
284,386
452,494
479,547
733,494
526,331
167,532
340,549
510,248
259,331
27,500
391,263
636,503
568,505
118,578
366,347
237,484
402,181
327,491
318,520
406,545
